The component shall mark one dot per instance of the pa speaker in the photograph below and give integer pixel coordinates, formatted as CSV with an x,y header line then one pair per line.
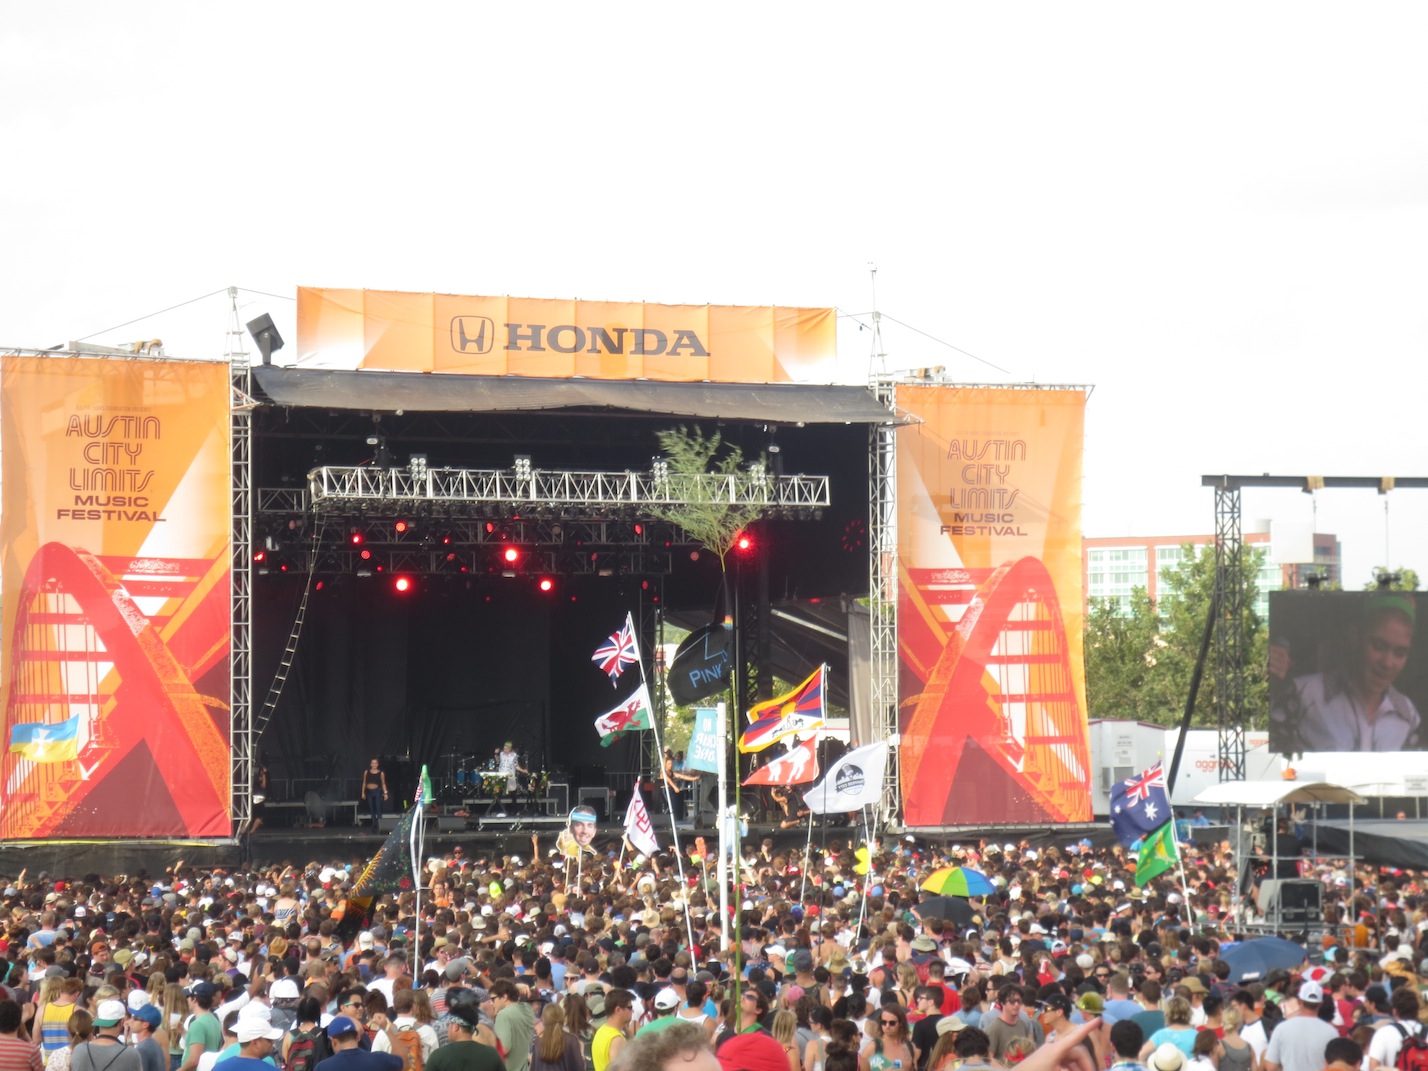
x,y
1291,901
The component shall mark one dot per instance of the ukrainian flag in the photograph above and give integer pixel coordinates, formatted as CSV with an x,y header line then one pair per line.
x,y
46,741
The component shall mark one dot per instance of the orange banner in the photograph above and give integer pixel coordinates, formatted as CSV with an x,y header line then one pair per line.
x,y
993,692
506,336
115,527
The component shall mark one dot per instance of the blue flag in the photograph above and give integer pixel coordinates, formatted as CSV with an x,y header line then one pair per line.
x,y
1140,805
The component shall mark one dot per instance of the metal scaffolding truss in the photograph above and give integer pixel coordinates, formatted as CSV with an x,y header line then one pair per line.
x,y
1228,650
485,491
882,587
241,614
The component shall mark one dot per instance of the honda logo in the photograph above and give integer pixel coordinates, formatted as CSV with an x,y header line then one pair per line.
x,y
472,334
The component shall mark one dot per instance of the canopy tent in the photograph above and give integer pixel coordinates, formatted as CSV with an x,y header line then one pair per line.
x,y
1257,795
1274,793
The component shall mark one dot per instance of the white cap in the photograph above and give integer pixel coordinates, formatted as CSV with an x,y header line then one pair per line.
x,y
255,1021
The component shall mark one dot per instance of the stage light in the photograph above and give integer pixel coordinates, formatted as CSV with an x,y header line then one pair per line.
x,y
260,555
282,567
743,543
511,555
402,584
319,585
356,538
546,584
639,529
401,526
366,554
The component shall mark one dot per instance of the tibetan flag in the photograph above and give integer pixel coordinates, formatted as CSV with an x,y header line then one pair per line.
x,y
56,741
619,652
1139,805
1157,854
798,766
800,711
634,713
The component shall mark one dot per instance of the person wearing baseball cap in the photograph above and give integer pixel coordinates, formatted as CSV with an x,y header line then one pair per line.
x,y
257,1039
105,1051
347,1055
144,1019
1298,1042
462,1052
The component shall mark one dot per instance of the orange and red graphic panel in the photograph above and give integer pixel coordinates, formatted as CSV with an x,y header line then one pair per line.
x,y
992,682
116,622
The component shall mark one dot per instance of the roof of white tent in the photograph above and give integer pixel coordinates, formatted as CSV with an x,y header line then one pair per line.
x,y
1273,793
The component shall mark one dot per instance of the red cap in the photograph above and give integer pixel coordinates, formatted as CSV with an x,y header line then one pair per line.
x,y
752,1052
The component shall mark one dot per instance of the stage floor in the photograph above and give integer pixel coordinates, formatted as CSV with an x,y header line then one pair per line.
x,y
512,836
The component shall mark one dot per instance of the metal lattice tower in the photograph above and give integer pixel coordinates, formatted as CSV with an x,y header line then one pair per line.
x,y
240,426
1229,636
883,587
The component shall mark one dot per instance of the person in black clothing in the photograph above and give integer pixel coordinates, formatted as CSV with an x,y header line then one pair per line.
x,y
374,788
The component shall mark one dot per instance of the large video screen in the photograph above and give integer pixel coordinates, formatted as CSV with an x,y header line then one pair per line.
x,y
1344,671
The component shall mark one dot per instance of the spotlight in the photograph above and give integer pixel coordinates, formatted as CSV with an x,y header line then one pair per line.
x,y
356,538
742,543
546,584
511,555
402,584
260,556
401,526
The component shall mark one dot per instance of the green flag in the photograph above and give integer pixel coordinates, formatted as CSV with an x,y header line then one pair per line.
x,y
428,797
1157,853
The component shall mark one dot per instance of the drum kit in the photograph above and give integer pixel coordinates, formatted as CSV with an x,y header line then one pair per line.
x,y
472,777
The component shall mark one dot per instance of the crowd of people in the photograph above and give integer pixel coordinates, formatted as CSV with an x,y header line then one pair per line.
x,y
833,962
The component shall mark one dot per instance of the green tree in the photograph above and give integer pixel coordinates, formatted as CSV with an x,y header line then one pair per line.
x,y
706,508
1123,650
1140,656
1401,579
1189,591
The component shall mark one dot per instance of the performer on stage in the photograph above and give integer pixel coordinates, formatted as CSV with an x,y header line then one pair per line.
x,y
374,787
509,763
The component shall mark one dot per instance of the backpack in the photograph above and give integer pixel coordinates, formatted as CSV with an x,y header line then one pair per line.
x,y
302,1050
407,1045
1413,1050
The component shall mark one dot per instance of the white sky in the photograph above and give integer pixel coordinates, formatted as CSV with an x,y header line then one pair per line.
x,y
1215,213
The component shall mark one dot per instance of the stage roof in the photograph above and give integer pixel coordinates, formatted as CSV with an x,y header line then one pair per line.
x,y
1273,793
781,403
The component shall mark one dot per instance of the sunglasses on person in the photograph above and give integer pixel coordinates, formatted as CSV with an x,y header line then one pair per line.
x,y
1103,974
892,1022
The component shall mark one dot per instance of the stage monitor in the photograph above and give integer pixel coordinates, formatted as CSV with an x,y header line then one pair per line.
x,y
1290,902
1343,671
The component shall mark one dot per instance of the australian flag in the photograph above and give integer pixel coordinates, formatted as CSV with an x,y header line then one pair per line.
x,y
1140,805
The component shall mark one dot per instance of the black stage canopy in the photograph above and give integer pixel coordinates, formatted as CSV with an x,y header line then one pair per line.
x,y
450,393
1379,841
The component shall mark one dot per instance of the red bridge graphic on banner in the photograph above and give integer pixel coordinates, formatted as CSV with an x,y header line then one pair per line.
x,y
118,644
996,734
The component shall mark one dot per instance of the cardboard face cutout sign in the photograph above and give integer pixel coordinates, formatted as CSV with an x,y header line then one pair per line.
x,y
579,835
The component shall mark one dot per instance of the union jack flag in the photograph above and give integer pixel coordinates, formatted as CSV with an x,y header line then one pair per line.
x,y
619,652
1138,788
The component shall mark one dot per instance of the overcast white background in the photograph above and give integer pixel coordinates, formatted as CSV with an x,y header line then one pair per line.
x,y
1217,214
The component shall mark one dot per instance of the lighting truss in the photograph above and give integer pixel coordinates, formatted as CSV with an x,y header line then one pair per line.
x,y
484,492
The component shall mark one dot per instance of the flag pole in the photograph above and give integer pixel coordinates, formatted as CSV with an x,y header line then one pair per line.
x,y
868,877
807,849
668,796
721,866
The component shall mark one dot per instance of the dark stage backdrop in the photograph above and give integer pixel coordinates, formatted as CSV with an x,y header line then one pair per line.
x,y
438,675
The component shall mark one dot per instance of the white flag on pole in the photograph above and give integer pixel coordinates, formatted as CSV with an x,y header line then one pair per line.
x,y
638,826
854,781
